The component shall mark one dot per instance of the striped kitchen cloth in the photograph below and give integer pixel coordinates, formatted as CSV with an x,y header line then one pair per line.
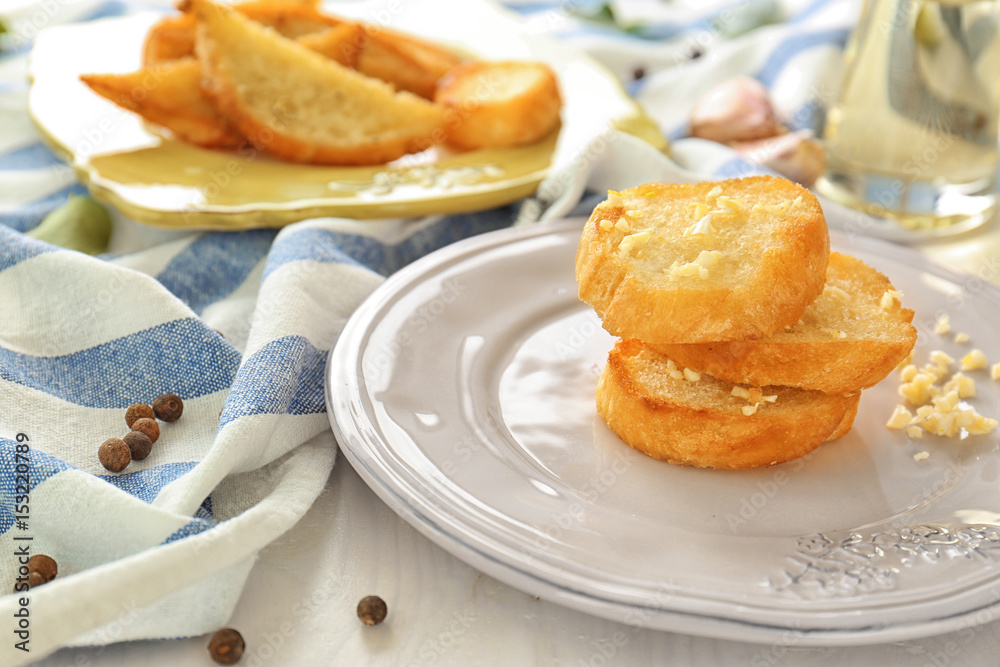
x,y
239,324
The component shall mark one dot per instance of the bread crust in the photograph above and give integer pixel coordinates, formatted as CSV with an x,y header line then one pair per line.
x,y
772,260
847,423
811,355
659,417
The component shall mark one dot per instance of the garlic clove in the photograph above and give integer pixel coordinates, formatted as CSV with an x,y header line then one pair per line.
x,y
796,155
737,109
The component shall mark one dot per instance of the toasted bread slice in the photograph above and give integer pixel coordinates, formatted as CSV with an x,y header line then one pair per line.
x,y
169,94
299,105
656,408
846,340
730,260
499,104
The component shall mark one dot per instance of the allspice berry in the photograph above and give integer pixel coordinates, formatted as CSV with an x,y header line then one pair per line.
x,y
138,411
114,454
168,407
227,646
44,566
147,426
35,579
372,610
139,444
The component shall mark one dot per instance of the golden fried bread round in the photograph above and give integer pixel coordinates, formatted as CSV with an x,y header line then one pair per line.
x,y
498,104
658,409
697,263
851,337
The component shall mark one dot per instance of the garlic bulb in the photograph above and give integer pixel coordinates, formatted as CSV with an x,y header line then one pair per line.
x,y
796,155
737,109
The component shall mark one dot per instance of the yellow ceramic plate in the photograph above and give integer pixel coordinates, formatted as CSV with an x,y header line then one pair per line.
x,y
155,179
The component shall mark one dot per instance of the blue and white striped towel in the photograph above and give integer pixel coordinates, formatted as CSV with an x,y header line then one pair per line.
x,y
239,325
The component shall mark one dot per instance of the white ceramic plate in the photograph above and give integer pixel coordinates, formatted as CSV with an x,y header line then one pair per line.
x,y
462,392
159,180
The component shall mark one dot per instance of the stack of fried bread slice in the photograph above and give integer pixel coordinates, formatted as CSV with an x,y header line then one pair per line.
x,y
744,341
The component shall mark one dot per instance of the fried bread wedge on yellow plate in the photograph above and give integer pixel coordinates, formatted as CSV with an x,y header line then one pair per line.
x,y
851,337
499,104
169,94
299,105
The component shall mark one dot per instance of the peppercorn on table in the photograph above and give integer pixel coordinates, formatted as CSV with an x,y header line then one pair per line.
x,y
219,524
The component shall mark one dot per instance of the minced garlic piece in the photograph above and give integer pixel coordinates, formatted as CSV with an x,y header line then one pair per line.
x,y
770,398
995,372
939,358
615,198
946,402
700,210
701,228
921,456
623,226
918,390
906,362
777,209
691,376
943,325
733,205
836,292
633,240
961,337
949,423
671,365
699,267
890,298
908,372
980,425
750,409
740,392
676,374
900,418
715,192
606,225
914,432
963,385
974,361
708,258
